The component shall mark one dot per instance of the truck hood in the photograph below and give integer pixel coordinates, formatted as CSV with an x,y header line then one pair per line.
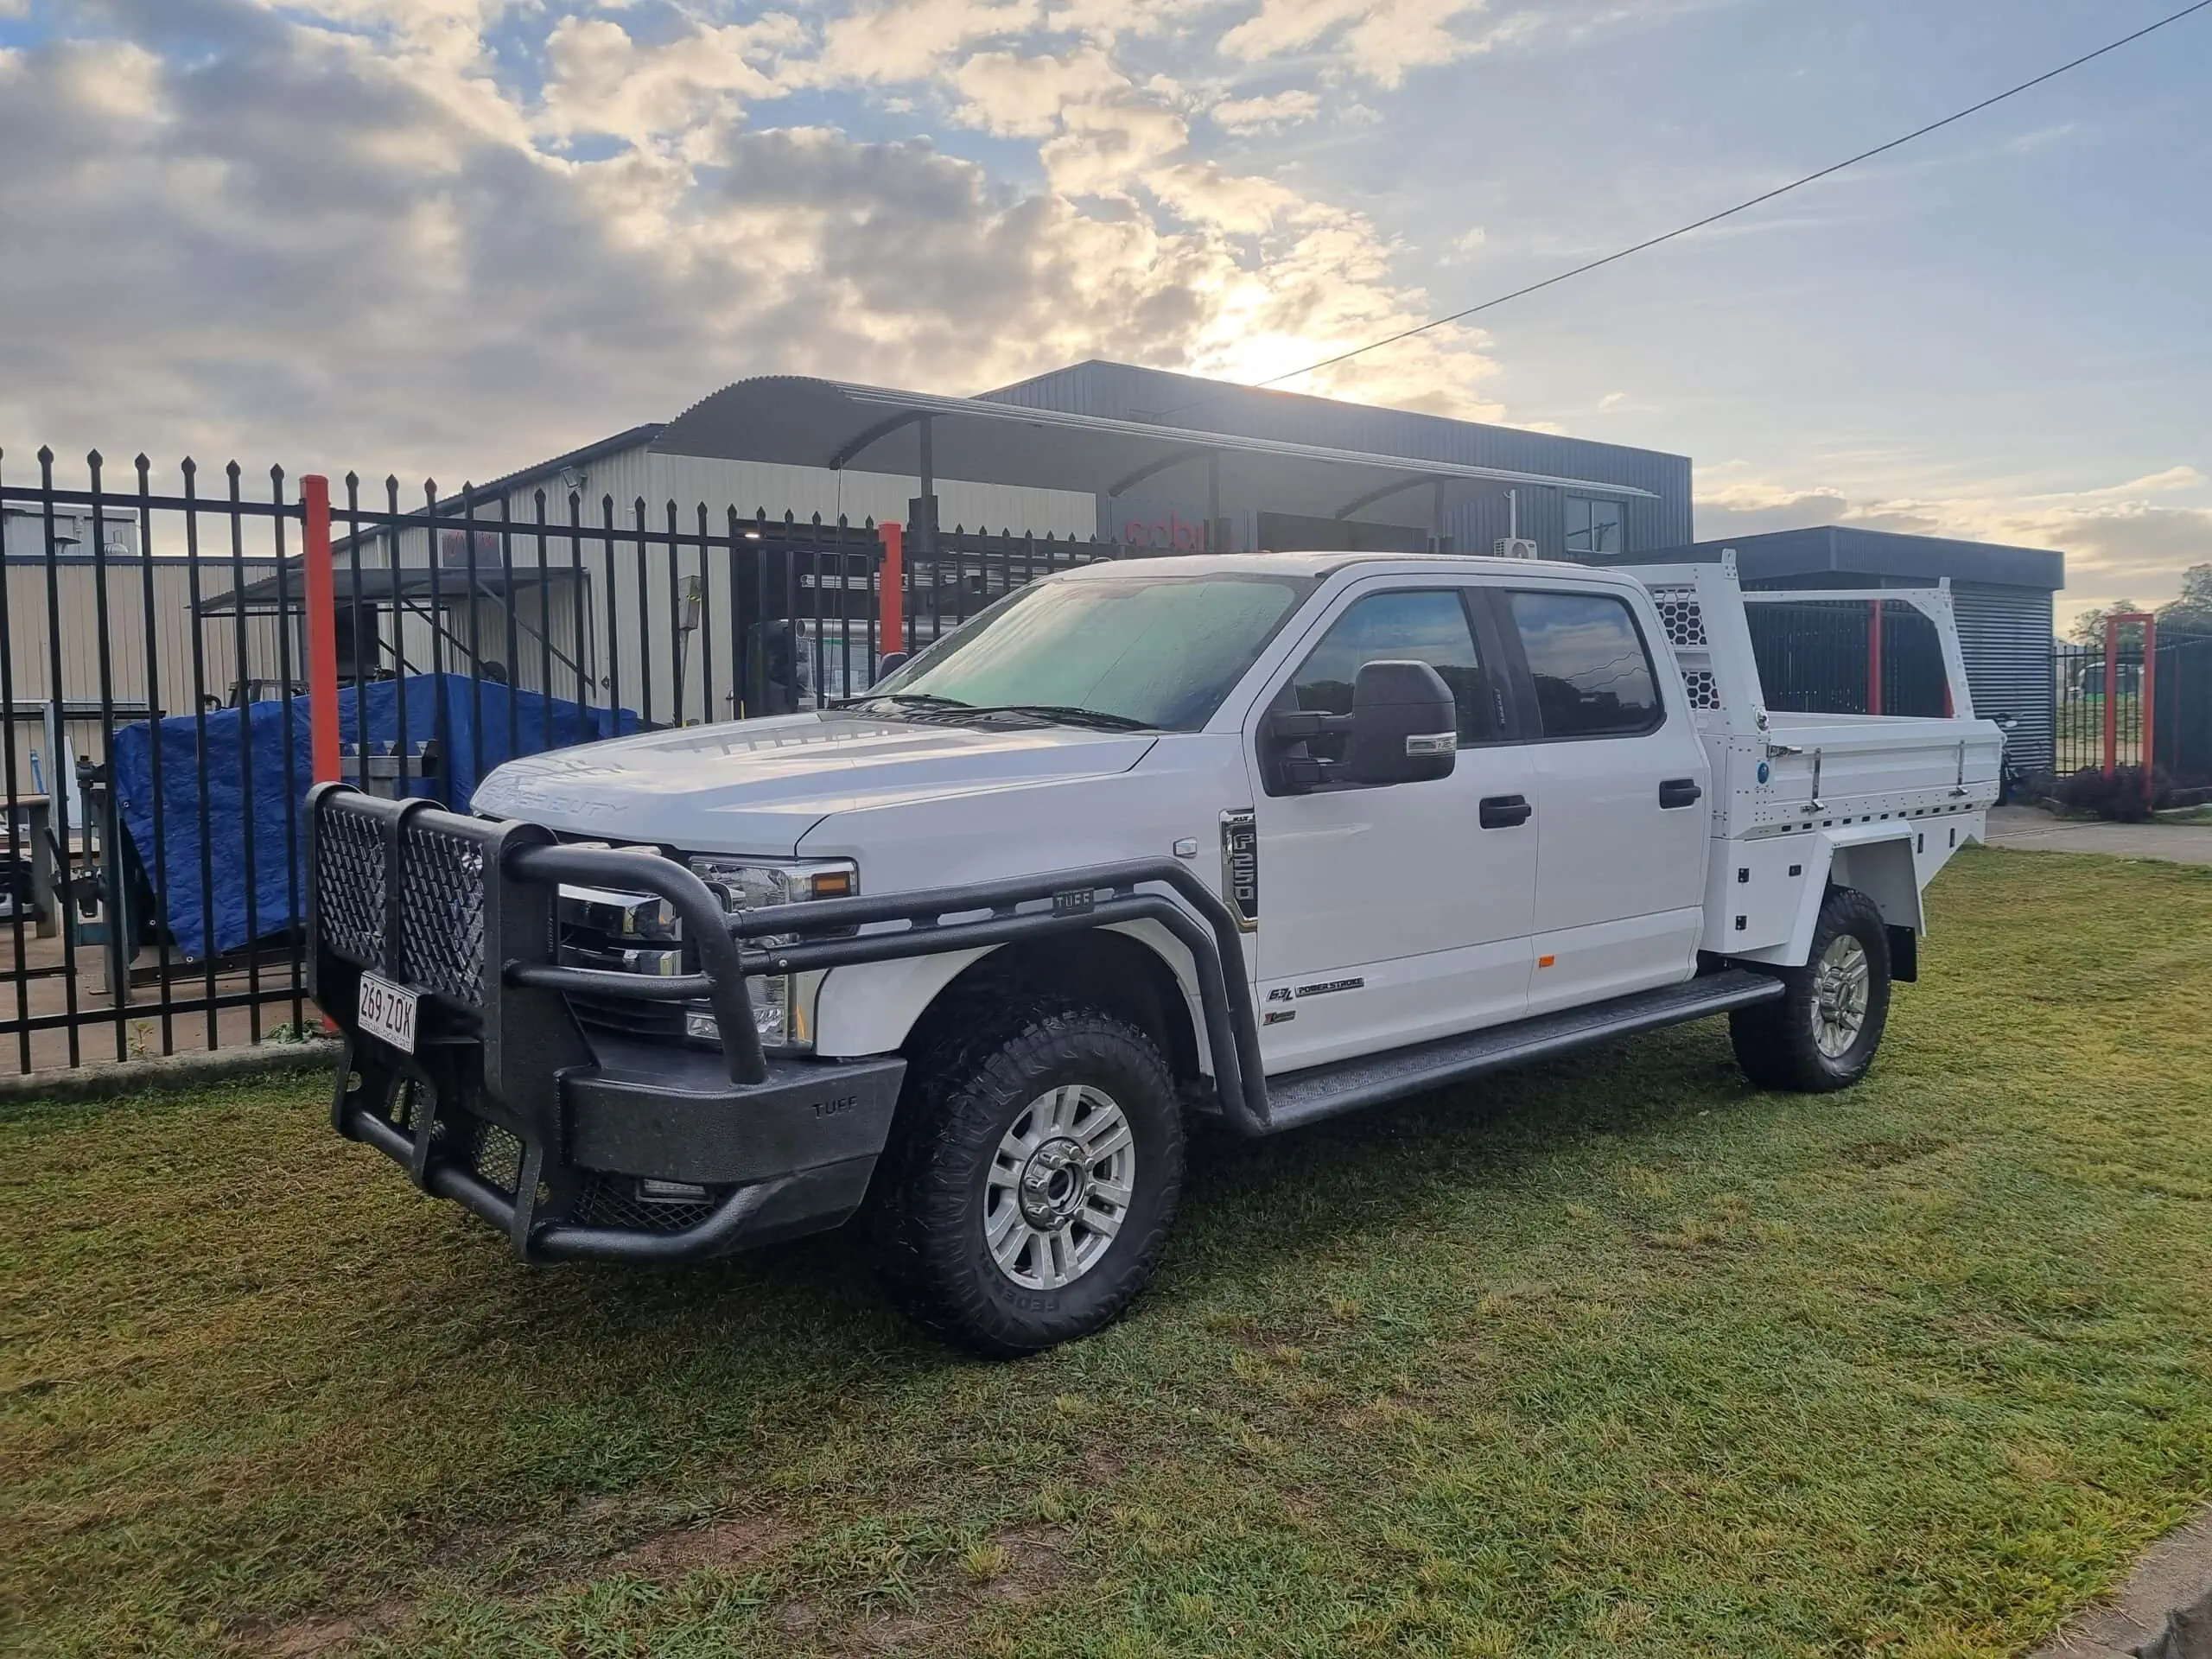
x,y
758,786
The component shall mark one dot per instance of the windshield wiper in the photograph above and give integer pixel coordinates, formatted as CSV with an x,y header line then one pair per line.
x,y
1067,713
917,699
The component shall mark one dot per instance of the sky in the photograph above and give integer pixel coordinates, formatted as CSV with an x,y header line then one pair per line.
x,y
447,238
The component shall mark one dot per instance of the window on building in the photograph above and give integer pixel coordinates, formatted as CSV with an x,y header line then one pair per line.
x,y
1594,677
1595,526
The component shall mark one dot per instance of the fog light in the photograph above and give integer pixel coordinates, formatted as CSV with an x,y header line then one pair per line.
x,y
770,999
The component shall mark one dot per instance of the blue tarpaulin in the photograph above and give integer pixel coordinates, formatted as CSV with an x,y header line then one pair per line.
x,y
258,885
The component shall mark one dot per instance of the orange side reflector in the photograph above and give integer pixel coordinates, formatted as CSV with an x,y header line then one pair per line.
x,y
1545,962
833,884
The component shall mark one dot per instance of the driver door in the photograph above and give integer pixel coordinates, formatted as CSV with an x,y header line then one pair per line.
x,y
1392,914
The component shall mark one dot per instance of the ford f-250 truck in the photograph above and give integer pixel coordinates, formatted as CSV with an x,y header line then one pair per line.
x,y
1264,837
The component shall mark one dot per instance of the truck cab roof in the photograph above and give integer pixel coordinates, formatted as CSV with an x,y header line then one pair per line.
x,y
1324,564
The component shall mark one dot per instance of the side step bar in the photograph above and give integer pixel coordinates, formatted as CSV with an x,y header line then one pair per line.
x,y
1300,1097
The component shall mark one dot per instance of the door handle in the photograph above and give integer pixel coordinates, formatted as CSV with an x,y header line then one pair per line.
x,y
1679,792
1505,812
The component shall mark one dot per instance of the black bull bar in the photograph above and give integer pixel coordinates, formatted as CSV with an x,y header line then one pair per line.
x,y
462,911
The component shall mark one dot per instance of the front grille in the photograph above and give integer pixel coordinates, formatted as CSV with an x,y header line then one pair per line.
x,y
585,946
613,1201
626,1017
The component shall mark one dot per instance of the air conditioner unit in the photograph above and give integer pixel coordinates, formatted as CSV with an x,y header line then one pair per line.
x,y
1516,547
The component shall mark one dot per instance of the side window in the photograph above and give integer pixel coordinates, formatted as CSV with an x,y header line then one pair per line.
x,y
1593,675
1594,526
1428,626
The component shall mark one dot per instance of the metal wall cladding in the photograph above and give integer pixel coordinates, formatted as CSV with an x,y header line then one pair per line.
x,y
2006,636
103,643
1122,392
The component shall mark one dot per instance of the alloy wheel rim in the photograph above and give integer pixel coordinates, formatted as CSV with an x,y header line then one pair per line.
x,y
1059,1186
1841,982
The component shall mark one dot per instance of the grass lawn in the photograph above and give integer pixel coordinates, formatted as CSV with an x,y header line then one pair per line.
x,y
1613,1357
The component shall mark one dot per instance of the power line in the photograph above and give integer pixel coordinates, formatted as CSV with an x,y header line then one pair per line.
x,y
1728,213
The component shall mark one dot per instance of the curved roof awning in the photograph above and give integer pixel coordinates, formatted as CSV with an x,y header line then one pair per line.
x,y
800,422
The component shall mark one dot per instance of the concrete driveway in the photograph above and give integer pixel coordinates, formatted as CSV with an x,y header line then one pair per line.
x,y
2031,828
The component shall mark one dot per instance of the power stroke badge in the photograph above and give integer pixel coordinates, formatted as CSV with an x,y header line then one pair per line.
x,y
1240,868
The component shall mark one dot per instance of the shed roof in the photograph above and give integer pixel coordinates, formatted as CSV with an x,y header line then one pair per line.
x,y
1841,549
810,422
409,584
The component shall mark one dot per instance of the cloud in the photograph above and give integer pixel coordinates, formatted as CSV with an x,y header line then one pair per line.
x,y
1379,39
1022,97
342,234
1269,114
600,82
2116,539
910,40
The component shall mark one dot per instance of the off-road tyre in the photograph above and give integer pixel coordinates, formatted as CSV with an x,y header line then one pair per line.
x,y
1778,1043
965,1094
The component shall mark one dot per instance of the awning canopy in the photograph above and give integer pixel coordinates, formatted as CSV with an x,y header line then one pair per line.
x,y
802,422
411,585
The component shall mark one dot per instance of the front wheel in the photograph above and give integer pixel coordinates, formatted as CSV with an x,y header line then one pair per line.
x,y
1820,1033
1031,1180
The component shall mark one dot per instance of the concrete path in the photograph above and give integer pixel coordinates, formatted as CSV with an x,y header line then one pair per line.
x,y
2032,829
2163,1612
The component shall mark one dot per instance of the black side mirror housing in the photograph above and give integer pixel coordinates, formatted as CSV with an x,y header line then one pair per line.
x,y
1405,727
890,663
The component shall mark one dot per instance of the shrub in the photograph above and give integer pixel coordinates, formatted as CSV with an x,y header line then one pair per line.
x,y
2121,796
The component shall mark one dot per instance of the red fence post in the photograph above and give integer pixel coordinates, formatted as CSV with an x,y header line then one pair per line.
x,y
1874,661
890,600
322,627
2149,710
2112,695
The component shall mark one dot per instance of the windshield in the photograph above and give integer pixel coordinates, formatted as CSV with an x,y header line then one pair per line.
x,y
1154,651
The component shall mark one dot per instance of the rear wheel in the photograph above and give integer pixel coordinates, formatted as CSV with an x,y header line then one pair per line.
x,y
1820,1033
1031,1180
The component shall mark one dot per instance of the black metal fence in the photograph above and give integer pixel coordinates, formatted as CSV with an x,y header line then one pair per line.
x,y
2104,713
158,743
1821,656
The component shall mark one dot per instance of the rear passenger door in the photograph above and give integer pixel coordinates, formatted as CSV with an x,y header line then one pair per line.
x,y
1620,781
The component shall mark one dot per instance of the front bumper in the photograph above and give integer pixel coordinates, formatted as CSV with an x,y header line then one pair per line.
x,y
575,1143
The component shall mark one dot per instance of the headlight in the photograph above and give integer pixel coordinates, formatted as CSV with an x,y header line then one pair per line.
x,y
777,1008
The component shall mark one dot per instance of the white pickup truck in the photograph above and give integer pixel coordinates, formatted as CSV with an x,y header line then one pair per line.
x,y
1262,837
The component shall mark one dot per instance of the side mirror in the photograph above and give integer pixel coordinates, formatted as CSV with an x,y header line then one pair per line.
x,y
1405,727
890,663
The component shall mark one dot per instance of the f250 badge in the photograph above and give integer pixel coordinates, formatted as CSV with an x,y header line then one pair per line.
x,y
1240,869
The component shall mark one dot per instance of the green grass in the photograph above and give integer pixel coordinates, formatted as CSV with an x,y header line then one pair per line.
x,y
1614,1356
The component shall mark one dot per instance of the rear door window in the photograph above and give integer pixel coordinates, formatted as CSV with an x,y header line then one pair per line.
x,y
1593,672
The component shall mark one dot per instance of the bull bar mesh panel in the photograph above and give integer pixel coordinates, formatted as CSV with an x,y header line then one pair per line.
x,y
613,1201
441,898
349,887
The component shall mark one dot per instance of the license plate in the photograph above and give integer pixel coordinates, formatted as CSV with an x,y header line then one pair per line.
x,y
387,1011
